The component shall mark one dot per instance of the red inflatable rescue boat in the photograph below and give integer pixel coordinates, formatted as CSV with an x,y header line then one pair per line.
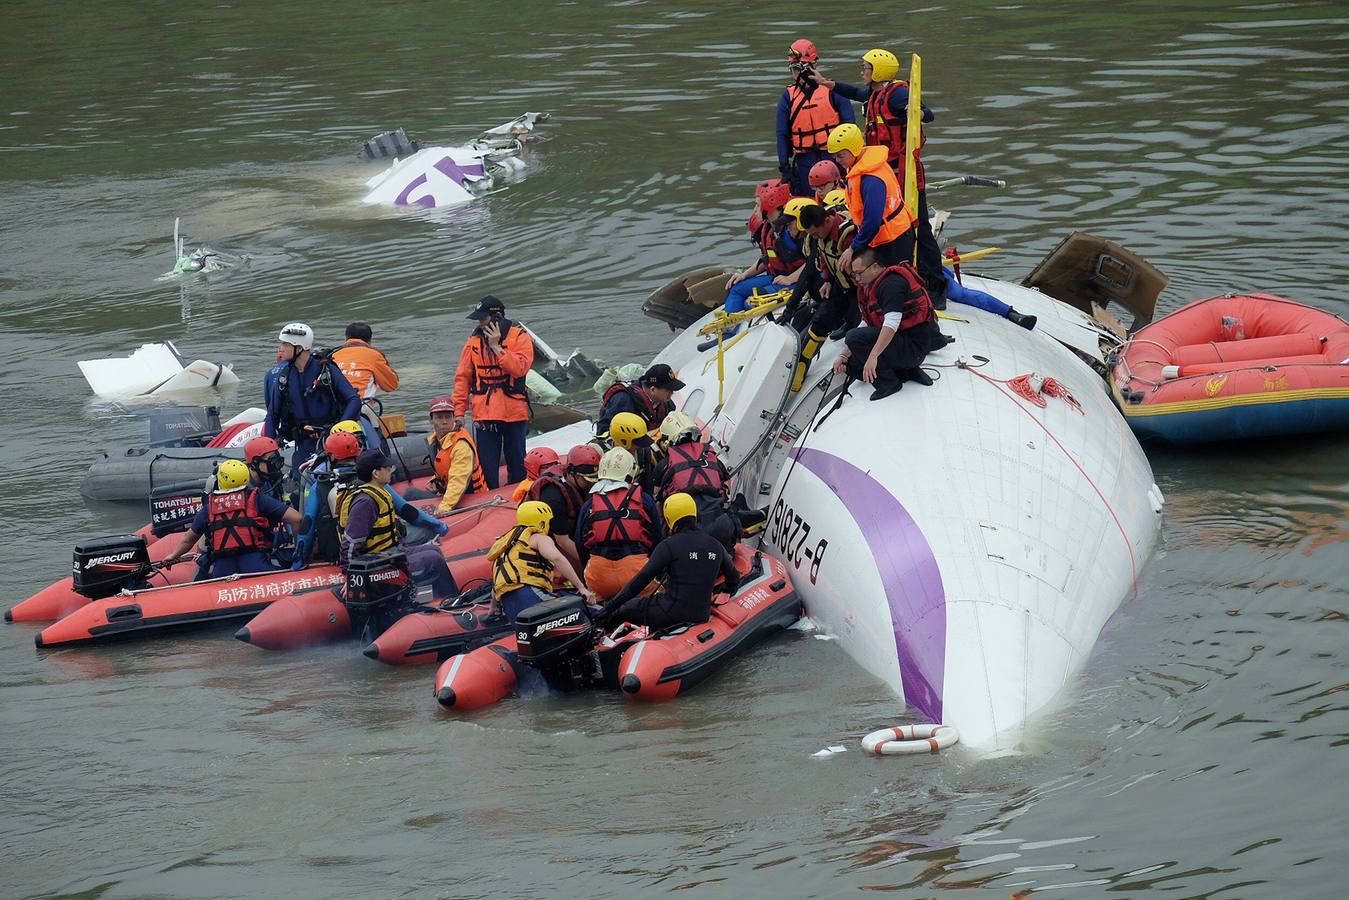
x,y
558,640
1230,368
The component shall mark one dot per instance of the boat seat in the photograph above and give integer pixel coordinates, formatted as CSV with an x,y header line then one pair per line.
x,y
1273,347
1318,359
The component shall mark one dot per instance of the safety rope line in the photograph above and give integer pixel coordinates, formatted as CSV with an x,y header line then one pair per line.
x,y
998,384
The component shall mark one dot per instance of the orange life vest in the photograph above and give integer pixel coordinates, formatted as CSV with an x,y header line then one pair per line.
x,y
887,130
444,455
917,307
896,217
810,118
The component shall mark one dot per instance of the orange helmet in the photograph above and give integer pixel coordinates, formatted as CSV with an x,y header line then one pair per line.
x,y
539,459
803,51
342,445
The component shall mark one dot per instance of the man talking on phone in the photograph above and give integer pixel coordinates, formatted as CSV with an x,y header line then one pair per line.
x,y
491,376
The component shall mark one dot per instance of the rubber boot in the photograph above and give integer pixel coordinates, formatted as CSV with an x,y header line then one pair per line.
x,y
1016,318
808,351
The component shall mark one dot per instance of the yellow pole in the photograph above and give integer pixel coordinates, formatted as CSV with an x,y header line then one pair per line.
x,y
967,257
721,370
913,136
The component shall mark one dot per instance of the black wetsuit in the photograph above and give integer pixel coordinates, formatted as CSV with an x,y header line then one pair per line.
x,y
690,561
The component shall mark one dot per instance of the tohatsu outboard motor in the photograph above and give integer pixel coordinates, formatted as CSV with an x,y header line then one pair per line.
x,y
557,637
104,566
379,592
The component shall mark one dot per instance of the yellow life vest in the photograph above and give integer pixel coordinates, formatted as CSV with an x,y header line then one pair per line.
x,y
516,564
384,531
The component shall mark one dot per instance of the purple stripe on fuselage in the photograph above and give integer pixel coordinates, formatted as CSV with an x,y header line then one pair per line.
x,y
908,572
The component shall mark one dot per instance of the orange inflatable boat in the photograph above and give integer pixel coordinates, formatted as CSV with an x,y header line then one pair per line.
x,y
1235,367
558,640
312,609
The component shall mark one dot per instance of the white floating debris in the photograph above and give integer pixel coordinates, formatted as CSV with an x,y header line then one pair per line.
x,y
154,369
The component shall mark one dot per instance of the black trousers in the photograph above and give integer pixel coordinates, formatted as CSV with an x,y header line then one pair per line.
x,y
662,611
906,350
929,254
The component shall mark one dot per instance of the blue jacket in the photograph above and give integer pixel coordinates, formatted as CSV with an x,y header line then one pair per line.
x,y
308,404
312,505
836,97
873,209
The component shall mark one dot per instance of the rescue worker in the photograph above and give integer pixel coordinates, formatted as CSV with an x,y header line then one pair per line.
x,y
491,376
829,235
237,521
537,462
564,490
689,563
780,255
886,100
454,457
649,397
875,199
617,526
825,176
368,371
368,521
806,114
306,394
524,560
899,327
692,467
630,432
263,456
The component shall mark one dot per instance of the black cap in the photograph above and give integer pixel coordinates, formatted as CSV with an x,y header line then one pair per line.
x,y
487,306
662,376
369,461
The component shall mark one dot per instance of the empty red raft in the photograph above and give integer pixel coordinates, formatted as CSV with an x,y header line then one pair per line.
x,y
1230,368
155,610
643,666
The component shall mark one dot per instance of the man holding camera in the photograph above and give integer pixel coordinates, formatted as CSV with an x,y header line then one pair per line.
x,y
491,374
807,112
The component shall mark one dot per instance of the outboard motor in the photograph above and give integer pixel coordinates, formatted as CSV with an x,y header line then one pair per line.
x,y
390,143
104,566
557,637
379,592
173,506
183,426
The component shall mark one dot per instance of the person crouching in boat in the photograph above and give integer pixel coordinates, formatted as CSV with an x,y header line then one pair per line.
x,y
454,457
537,462
689,562
616,527
524,560
631,433
898,330
829,233
648,398
692,467
564,488
368,520
237,521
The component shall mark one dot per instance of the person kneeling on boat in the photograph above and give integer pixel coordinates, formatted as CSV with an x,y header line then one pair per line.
x,y
648,398
237,522
899,327
538,462
780,254
524,560
616,527
454,457
368,519
692,467
630,432
689,562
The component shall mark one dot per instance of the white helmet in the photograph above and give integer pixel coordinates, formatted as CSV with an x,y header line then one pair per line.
x,y
297,334
618,465
678,425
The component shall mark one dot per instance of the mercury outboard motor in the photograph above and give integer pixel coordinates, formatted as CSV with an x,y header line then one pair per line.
x,y
379,592
557,637
104,566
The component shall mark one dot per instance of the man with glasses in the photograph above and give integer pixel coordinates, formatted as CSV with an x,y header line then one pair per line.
x,y
898,330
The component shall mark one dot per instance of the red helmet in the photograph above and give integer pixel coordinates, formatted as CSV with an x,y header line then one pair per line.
x,y
342,445
803,51
763,186
774,198
259,446
583,456
538,459
824,172
755,222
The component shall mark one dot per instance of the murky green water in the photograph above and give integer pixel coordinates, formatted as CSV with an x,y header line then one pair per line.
x,y
1201,753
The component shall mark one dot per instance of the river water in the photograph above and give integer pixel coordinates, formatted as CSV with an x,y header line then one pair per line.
x,y
1201,753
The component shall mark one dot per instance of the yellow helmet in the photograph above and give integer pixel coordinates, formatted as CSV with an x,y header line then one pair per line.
x,y
534,514
627,429
884,64
794,207
845,137
348,426
836,200
618,465
676,424
232,475
679,507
